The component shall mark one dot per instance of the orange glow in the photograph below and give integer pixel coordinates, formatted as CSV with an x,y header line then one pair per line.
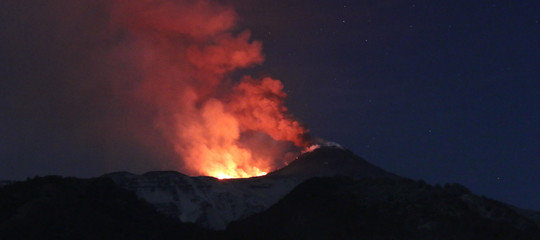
x,y
219,127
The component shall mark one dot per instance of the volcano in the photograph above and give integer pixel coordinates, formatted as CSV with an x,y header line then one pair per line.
x,y
331,160
214,203
326,193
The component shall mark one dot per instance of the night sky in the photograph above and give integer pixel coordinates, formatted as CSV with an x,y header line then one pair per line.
x,y
445,91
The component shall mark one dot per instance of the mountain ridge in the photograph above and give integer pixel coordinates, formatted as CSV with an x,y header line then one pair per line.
x,y
326,193
347,208
214,203
332,160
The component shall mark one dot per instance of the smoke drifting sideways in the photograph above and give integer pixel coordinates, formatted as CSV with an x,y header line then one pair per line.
x,y
155,74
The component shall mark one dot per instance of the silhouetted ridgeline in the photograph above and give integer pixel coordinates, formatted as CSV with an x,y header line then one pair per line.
x,y
343,208
328,194
69,208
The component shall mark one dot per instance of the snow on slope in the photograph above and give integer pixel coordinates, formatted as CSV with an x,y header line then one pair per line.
x,y
214,203
206,201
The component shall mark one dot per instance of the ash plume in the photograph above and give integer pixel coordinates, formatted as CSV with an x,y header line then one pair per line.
x,y
156,74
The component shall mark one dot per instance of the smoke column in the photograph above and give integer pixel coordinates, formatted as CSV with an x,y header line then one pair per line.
x,y
185,52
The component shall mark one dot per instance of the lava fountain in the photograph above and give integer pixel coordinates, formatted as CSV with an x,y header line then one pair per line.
x,y
186,51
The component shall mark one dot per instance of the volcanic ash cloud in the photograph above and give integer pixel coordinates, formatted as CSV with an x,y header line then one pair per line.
x,y
185,52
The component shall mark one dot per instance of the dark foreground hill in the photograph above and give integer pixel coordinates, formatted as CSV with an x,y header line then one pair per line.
x,y
69,208
343,208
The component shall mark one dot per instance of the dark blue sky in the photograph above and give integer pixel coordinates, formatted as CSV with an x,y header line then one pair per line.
x,y
445,91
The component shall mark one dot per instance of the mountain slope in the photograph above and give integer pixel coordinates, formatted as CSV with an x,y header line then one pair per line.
x,y
69,208
343,208
206,201
352,200
331,161
214,203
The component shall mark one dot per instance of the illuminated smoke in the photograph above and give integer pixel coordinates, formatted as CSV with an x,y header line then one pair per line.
x,y
186,51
